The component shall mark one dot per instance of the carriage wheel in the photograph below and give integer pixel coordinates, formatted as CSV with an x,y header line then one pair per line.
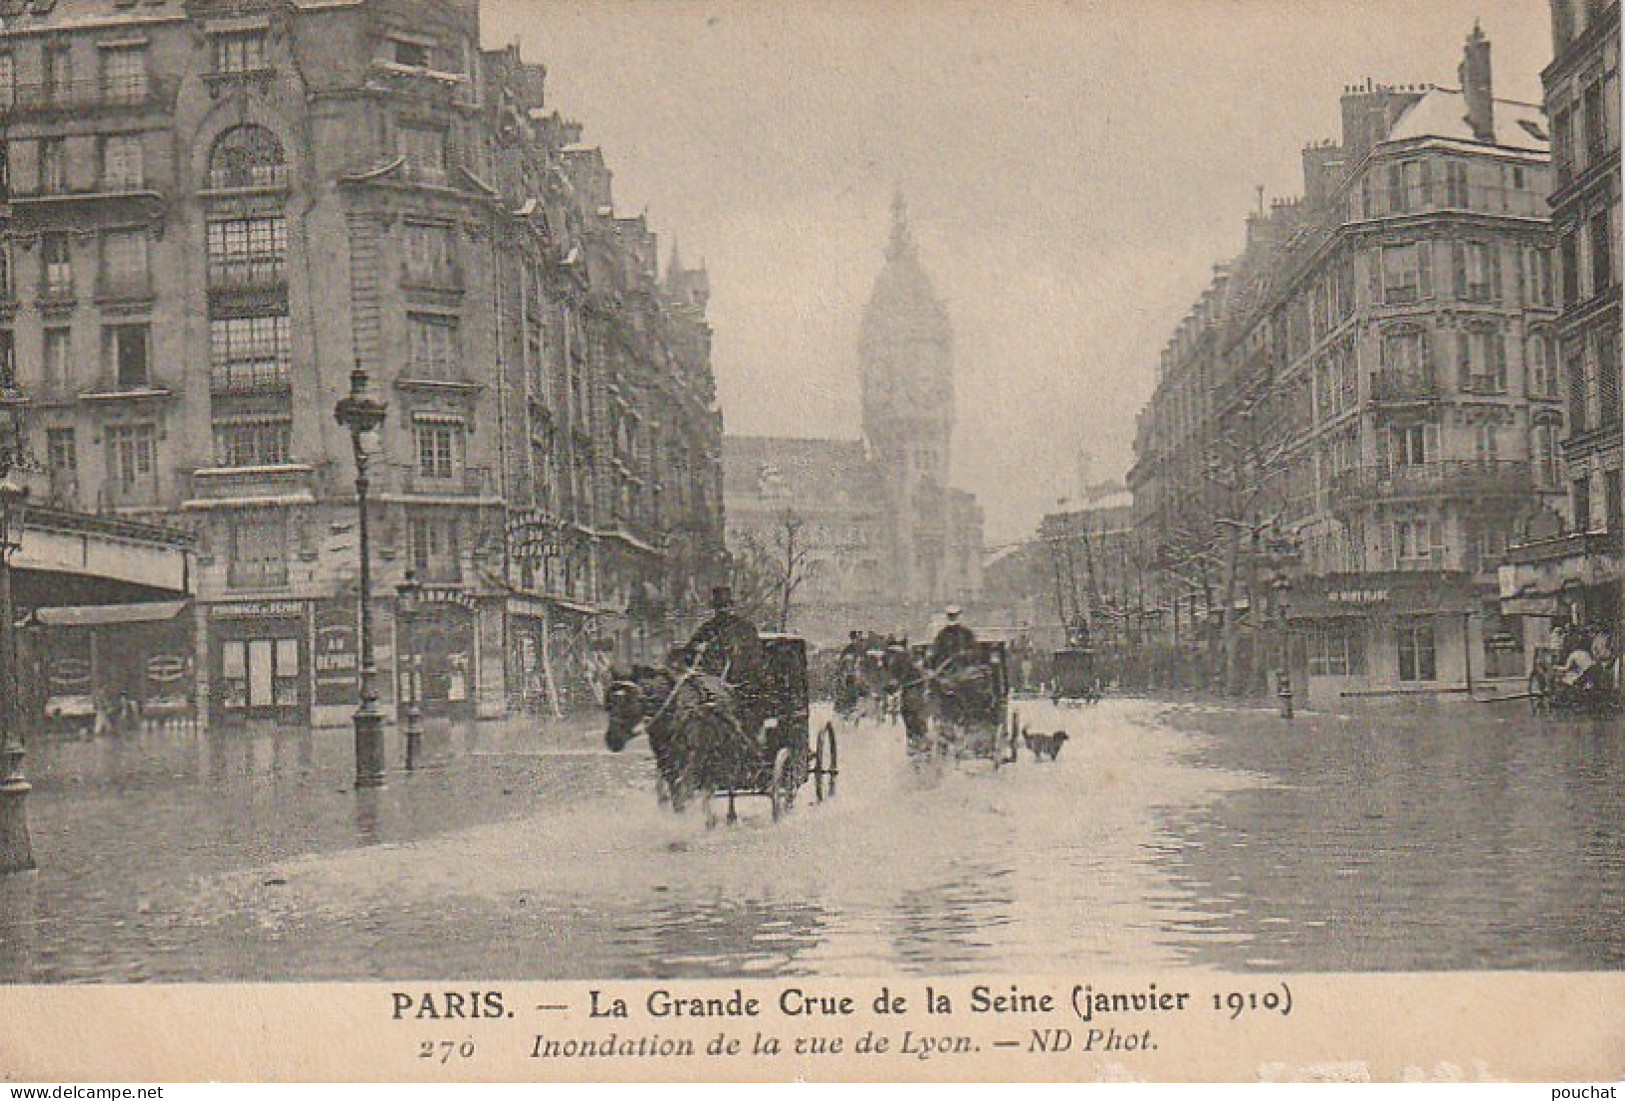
x,y
826,764
776,783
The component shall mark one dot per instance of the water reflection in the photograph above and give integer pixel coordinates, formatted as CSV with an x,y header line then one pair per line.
x,y
953,926
1459,837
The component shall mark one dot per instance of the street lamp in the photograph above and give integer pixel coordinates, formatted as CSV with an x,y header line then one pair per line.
x,y
1283,677
16,847
407,591
362,414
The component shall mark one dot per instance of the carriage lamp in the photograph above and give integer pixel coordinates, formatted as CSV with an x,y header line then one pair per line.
x,y
407,592
362,414
16,847
1283,678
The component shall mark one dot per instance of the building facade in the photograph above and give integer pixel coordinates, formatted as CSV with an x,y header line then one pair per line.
x,y
1571,569
889,541
215,211
1358,419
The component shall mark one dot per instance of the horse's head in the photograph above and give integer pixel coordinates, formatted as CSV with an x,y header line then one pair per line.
x,y
624,704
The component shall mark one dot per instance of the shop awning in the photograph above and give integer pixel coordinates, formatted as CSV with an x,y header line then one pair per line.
x,y
104,615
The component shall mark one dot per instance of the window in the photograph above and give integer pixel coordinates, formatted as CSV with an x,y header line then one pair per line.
x,y
1478,271
1608,378
8,79
57,73
1455,185
430,253
8,358
124,74
1405,356
247,156
1486,442
132,459
435,548
1540,277
55,249
7,288
248,353
1578,421
1569,257
59,360
124,262
1413,444
53,166
123,162
1543,454
1417,544
1542,366
1416,654
1407,273
424,148
412,54
1595,128
259,673
240,52
1482,360
127,348
62,463
1335,650
259,553
439,447
1580,500
1602,254
245,252
252,441
431,351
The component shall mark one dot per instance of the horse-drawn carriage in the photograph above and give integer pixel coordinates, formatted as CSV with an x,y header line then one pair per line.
x,y
1073,677
959,710
1595,691
712,739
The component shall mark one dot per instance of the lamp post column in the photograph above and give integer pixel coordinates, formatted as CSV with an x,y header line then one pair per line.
x,y
406,606
16,845
362,414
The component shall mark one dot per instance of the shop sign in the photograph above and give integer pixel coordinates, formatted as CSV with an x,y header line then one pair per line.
x,y
337,656
1358,596
258,609
460,597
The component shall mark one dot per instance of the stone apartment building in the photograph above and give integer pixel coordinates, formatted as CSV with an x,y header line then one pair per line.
x,y
1573,566
1366,414
215,211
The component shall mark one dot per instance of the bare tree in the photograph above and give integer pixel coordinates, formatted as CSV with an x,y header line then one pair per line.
x,y
767,569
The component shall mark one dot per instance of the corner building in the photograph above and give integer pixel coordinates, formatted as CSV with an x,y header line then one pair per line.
x,y
215,211
1391,370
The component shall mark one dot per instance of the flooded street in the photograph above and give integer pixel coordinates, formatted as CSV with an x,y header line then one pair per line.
x,y
1165,834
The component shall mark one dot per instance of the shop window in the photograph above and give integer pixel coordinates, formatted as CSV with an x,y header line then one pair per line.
x,y
1416,651
1336,650
258,674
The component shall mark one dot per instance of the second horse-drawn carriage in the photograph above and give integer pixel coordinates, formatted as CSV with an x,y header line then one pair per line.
x,y
714,739
1073,676
957,709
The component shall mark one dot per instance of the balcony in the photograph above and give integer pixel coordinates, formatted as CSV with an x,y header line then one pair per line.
x,y
136,493
248,273
229,485
253,177
259,377
248,575
74,97
111,388
1395,387
470,482
1426,481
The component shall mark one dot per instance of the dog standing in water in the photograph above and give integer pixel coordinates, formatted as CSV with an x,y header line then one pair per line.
x,y
1044,745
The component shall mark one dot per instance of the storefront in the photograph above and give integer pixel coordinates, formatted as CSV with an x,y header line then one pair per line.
x,y
443,636
258,662
114,664
1390,634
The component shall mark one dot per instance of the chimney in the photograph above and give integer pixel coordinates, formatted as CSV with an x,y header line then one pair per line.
x,y
1477,87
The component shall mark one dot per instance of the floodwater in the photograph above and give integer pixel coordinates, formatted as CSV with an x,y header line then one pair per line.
x,y
1199,837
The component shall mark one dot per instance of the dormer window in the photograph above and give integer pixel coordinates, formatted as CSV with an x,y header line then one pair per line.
x,y
414,55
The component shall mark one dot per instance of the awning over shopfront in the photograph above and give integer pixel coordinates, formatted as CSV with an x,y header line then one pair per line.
x,y
105,615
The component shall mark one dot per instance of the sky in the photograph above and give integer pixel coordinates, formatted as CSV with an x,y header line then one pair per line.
x,y
1073,172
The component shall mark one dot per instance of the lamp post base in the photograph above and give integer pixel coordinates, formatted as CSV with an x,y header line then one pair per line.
x,y
369,748
16,847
